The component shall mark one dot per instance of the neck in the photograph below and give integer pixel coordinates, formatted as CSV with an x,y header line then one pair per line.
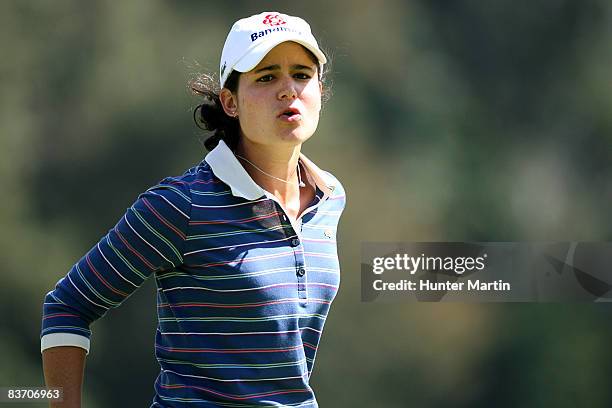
x,y
277,162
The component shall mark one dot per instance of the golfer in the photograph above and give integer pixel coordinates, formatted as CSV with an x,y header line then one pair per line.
x,y
242,245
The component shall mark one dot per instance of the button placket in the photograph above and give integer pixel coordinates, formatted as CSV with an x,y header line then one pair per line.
x,y
300,269
298,248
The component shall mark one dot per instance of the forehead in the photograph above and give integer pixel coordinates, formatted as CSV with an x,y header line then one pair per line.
x,y
288,52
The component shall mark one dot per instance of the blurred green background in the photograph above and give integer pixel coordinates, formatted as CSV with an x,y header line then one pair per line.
x,y
450,121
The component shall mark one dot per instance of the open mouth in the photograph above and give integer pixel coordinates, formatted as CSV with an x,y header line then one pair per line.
x,y
290,114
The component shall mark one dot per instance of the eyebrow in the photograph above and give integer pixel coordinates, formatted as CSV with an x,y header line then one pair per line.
x,y
277,67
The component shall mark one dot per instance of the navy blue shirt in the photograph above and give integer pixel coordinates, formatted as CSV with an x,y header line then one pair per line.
x,y
243,291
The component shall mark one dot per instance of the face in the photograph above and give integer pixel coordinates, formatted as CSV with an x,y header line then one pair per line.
x,y
278,102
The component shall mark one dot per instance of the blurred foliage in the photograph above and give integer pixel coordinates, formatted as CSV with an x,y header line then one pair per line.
x,y
451,121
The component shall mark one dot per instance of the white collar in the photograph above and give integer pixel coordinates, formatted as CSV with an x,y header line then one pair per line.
x,y
227,168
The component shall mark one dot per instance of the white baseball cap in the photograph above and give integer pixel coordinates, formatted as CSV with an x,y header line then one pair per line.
x,y
251,38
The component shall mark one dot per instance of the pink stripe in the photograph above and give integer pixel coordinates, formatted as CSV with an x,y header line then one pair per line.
x,y
262,217
229,351
141,257
242,334
249,396
274,302
238,334
104,282
319,255
211,181
320,241
251,259
51,316
163,220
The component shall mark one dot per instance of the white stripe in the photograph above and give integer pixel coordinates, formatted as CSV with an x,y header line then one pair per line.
x,y
202,169
228,290
321,254
146,242
82,294
235,334
319,227
169,202
122,258
239,245
329,212
56,298
329,241
242,290
294,299
319,269
233,233
252,258
230,205
314,330
210,193
82,276
234,379
241,220
237,275
230,366
111,265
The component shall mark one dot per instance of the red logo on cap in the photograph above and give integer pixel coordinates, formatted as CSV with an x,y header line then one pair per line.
x,y
274,20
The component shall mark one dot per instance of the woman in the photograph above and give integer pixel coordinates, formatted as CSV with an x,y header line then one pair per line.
x,y
242,246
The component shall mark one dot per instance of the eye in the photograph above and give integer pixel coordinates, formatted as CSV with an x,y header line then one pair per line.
x,y
302,75
266,78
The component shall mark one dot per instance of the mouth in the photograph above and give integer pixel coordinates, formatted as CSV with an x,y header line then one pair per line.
x,y
290,114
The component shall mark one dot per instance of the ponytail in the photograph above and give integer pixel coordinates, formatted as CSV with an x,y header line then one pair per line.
x,y
210,115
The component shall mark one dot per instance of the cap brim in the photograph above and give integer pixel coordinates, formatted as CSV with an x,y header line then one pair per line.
x,y
254,56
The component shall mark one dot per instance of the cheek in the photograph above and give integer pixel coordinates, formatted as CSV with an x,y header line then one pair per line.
x,y
252,111
312,98
250,108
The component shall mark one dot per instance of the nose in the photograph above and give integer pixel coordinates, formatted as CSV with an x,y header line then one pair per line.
x,y
287,90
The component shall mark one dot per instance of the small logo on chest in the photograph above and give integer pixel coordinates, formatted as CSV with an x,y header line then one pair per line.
x,y
328,233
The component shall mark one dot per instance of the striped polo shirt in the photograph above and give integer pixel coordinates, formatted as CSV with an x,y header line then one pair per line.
x,y
243,291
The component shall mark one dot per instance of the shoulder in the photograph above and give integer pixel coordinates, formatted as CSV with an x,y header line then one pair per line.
x,y
196,187
173,194
337,196
180,188
332,182
335,184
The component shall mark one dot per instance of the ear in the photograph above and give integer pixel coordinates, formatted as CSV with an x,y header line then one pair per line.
x,y
229,102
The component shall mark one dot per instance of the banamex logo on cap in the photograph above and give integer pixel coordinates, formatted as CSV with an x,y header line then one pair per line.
x,y
276,23
274,20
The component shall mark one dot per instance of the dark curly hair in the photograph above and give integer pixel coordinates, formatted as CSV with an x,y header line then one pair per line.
x,y
210,116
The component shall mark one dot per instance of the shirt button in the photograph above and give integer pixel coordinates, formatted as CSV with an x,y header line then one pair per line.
x,y
295,242
301,272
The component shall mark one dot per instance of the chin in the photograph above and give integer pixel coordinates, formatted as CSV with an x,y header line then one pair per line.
x,y
297,136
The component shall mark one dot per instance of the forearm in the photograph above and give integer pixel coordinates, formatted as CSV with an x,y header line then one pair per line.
x,y
63,367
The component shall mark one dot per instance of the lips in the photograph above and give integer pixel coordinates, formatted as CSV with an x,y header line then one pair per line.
x,y
289,113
